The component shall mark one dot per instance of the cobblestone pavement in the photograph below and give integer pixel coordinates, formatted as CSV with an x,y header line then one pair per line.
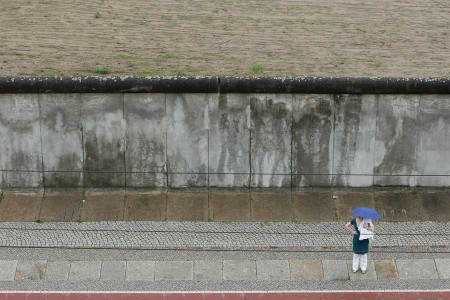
x,y
214,235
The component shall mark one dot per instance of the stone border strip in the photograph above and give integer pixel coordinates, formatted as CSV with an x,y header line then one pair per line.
x,y
221,270
136,84
204,295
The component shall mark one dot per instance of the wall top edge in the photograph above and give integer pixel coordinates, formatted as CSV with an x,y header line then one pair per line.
x,y
289,85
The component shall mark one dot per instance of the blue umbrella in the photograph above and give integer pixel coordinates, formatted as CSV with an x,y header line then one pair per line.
x,y
366,213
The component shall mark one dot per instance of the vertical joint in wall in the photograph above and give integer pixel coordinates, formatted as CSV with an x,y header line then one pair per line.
x,y
166,205
294,218
336,211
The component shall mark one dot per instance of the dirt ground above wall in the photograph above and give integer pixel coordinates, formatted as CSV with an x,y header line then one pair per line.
x,y
227,37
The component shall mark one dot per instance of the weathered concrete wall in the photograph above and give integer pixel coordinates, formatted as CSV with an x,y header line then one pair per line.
x,y
218,139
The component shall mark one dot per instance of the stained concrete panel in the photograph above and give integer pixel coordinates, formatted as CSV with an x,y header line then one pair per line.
x,y
302,269
20,207
398,126
104,179
20,139
280,181
271,206
63,179
61,132
145,116
435,205
354,140
313,206
229,140
103,205
145,206
229,180
61,206
312,144
271,137
146,180
104,129
187,139
323,180
434,140
31,270
22,179
399,206
187,206
229,206
386,269
394,180
433,180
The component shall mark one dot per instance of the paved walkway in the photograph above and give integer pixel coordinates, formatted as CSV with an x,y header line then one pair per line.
x,y
191,256
220,270
428,236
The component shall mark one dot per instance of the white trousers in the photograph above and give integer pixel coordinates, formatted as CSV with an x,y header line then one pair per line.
x,y
356,261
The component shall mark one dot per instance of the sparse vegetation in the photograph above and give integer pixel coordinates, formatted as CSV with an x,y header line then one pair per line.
x,y
148,72
130,64
79,220
257,68
103,70
180,72
285,38
164,57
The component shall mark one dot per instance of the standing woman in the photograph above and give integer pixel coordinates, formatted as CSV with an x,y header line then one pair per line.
x,y
360,247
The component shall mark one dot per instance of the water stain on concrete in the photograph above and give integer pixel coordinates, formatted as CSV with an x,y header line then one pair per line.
x,y
229,139
271,139
312,133
187,139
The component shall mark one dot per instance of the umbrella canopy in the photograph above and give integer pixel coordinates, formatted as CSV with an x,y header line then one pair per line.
x,y
366,213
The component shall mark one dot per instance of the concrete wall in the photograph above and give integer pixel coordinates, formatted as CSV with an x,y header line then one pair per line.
x,y
147,140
